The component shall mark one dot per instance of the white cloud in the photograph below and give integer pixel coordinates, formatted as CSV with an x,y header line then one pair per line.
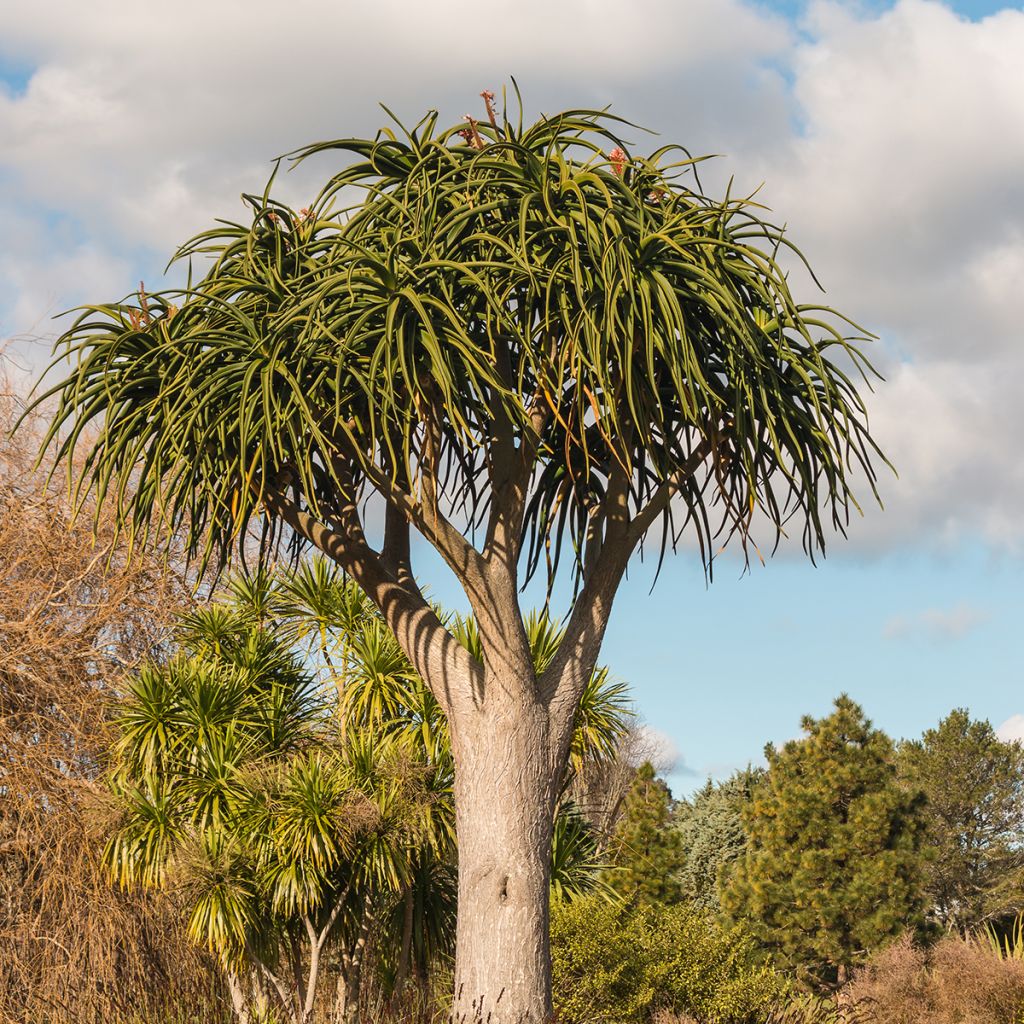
x,y
1012,729
903,186
905,179
651,744
139,129
891,143
935,623
156,124
951,429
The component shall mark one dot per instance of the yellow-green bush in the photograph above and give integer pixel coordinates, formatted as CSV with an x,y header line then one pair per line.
x,y
615,964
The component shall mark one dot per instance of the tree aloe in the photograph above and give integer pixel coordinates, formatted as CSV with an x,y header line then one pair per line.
x,y
536,349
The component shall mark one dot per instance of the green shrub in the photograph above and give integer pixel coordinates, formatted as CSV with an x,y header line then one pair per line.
x,y
616,964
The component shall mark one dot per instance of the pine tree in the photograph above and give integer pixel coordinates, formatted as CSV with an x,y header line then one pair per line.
x,y
712,836
646,849
974,788
833,868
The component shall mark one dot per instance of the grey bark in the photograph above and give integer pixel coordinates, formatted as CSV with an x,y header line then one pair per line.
x,y
238,1001
504,802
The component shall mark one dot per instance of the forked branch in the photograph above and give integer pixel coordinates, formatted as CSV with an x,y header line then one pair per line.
x,y
437,656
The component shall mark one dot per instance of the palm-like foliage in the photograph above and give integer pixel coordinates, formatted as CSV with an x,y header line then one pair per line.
x,y
268,798
234,789
576,866
524,278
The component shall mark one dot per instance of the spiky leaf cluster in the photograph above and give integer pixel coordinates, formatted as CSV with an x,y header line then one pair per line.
x,y
232,790
452,295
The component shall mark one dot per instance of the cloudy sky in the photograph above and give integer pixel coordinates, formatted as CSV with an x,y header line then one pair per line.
x,y
889,137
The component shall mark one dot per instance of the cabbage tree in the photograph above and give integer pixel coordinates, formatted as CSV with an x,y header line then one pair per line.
x,y
534,349
281,842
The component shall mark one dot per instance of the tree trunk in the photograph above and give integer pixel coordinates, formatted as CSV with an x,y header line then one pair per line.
x,y
505,787
346,1000
346,1004
405,955
238,1001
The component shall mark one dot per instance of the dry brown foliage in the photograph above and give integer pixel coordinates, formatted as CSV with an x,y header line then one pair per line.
x,y
75,613
601,791
958,981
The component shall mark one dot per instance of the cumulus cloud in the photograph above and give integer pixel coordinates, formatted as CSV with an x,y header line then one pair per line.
x,y
651,744
902,182
1012,729
148,124
891,143
935,623
138,129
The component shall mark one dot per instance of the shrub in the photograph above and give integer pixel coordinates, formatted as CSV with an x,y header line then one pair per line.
x,y
959,981
618,964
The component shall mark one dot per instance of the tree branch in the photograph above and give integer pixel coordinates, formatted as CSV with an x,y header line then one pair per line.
x,y
490,586
459,555
571,667
448,669
511,467
426,516
396,552
333,916
666,491
274,980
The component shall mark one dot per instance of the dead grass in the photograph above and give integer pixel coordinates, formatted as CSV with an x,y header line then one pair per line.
x,y
958,981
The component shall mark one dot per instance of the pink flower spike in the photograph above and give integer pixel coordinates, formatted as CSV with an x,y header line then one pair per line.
x,y
488,97
618,160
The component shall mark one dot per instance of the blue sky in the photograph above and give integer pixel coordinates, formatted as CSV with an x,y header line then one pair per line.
x,y
973,9
723,668
889,136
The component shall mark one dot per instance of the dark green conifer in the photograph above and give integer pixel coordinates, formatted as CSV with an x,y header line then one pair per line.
x,y
974,788
646,849
833,866
711,831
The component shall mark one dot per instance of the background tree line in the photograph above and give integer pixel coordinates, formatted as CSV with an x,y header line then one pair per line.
x,y
242,809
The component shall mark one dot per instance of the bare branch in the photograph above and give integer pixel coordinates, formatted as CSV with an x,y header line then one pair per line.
x,y
664,494
567,675
460,556
436,655
279,987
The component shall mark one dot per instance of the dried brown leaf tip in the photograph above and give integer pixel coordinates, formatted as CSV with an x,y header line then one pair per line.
x,y
618,160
